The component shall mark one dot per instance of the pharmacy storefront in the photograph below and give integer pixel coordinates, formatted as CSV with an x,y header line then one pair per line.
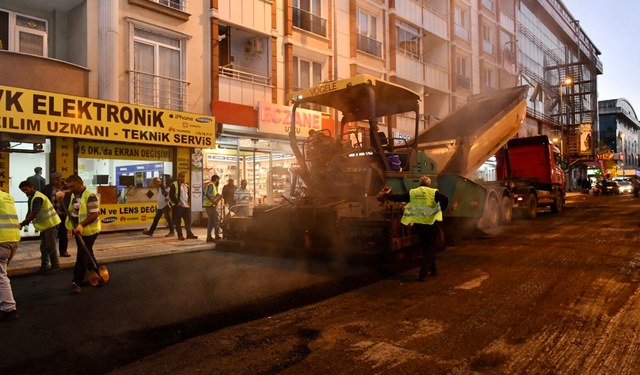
x,y
116,148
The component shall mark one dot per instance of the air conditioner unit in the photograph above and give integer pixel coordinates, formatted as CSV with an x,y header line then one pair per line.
x,y
253,47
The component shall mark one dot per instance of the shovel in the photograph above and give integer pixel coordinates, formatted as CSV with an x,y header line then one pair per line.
x,y
97,275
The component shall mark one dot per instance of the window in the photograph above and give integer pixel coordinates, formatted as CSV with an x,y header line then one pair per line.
x,y
157,72
24,34
307,74
461,24
462,79
307,15
366,26
408,40
488,80
175,4
487,39
488,4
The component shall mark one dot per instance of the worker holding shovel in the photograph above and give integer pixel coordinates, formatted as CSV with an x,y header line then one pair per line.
x,y
83,219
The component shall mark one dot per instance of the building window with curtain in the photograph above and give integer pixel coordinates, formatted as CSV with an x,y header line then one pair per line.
x,y
462,78
367,29
307,15
29,34
307,74
156,79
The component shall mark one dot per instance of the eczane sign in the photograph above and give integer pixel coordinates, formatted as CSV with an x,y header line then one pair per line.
x,y
276,119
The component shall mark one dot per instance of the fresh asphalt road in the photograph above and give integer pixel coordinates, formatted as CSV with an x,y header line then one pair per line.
x,y
153,303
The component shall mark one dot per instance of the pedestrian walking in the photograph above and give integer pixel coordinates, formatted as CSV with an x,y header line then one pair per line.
x,y
163,208
636,187
9,238
243,198
84,220
210,203
46,221
50,190
423,211
179,195
37,180
228,192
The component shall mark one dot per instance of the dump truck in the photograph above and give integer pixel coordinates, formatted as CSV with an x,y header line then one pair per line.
x,y
343,172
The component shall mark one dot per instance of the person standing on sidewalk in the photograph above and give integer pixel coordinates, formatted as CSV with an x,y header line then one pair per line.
x,y
210,204
164,204
50,192
243,198
46,221
179,195
9,238
228,192
84,216
424,210
37,180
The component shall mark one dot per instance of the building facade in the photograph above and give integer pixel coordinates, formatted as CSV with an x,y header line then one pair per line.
x,y
620,133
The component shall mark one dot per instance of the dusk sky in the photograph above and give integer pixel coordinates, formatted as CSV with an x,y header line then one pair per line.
x,y
612,26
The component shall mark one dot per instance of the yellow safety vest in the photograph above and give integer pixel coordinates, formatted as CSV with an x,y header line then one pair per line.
x,y
9,223
47,217
423,208
206,202
177,186
91,228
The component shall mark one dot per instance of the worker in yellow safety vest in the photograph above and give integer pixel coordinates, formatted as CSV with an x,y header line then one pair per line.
x,y
46,220
84,220
210,203
423,212
9,238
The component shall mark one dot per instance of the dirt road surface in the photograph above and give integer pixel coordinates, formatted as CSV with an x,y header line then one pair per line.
x,y
556,295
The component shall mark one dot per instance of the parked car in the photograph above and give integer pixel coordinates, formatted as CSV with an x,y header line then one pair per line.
x,y
611,187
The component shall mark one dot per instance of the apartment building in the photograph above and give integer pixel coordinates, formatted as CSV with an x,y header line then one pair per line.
x,y
96,89
620,133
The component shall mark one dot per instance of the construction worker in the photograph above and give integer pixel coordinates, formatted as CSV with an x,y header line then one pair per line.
x,y
45,220
84,220
179,195
210,204
423,211
9,238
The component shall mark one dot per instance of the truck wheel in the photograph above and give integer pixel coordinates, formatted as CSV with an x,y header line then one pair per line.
x,y
531,207
556,206
506,211
491,215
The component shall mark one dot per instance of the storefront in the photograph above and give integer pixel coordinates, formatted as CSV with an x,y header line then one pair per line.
x,y
116,148
259,150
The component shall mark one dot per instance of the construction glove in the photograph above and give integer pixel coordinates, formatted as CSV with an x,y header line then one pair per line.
x,y
79,229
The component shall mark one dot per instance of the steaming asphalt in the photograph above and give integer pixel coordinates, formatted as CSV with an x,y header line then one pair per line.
x,y
155,302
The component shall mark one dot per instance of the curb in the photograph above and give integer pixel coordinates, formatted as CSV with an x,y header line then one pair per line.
x,y
27,271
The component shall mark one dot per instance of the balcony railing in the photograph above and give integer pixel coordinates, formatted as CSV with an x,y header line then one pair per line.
x,y
463,82
228,71
488,4
158,91
461,32
310,22
369,45
488,47
175,4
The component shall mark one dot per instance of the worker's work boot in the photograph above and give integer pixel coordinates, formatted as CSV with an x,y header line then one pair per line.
x,y
75,289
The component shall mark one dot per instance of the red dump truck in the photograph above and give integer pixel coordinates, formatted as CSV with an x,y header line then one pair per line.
x,y
530,176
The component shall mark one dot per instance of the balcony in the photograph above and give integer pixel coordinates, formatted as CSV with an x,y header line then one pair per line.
x,y
463,82
251,14
488,47
462,33
369,45
241,87
158,91
41,73
436,75
310,22
488,4
507,22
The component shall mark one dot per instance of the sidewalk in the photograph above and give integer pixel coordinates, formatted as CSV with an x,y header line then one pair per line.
x,y
112,247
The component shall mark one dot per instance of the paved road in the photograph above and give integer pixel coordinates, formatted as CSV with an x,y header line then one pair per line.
x,y
558,295
152,303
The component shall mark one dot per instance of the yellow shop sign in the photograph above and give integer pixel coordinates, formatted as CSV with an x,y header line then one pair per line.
x,y
49,114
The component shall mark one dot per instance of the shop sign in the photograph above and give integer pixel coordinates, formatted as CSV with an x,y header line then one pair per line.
x,y
196,179
44,113
585,139
92,150
112,215
184,163
4,172
64,156
276,119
